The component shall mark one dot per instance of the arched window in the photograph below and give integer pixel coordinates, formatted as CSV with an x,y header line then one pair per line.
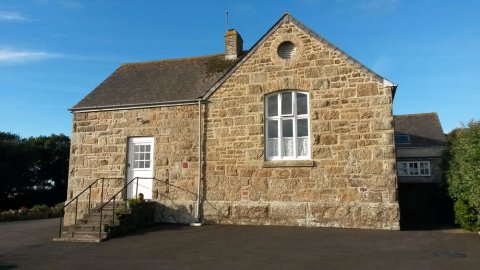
x,y
287,126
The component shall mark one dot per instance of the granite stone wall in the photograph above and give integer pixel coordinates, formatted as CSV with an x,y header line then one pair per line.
x,y
99,149
350,180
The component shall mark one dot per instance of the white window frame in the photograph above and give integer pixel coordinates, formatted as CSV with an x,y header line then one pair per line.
x,y
279,118
411,171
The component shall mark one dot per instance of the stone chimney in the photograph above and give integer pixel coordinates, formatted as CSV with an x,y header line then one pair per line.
x,y
233,44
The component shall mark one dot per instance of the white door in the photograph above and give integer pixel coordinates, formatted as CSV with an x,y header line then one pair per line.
x,y
140,164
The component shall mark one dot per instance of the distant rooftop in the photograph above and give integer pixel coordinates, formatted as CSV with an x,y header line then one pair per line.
x,y
418,130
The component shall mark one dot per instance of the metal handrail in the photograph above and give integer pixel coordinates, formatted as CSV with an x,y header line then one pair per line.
x,y
89,188
114,198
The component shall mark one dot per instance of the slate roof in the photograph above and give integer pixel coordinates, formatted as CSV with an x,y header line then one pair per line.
x,y
424,129
157,82
184,80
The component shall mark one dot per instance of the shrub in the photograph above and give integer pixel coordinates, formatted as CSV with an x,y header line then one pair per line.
x,y
463,174
133,202
42,208
38,211
466,216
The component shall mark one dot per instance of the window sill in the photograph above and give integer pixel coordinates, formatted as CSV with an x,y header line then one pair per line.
x,y
287,163
414,175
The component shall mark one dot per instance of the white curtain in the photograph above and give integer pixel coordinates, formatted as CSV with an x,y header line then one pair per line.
x,y
272,147
288,147
302,144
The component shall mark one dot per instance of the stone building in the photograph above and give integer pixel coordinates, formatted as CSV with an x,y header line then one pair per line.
x,y
420,143
291,132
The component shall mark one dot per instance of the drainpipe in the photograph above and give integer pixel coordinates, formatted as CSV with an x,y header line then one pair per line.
x,y
197,210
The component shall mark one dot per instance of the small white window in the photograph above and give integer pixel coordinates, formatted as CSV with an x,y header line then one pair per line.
x,y
287,126
413,168
142,156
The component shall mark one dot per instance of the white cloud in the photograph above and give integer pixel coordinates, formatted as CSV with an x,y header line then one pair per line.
x,y
10,16
17,56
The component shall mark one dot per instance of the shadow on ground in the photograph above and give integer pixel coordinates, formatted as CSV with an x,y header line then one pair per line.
x,y
425,206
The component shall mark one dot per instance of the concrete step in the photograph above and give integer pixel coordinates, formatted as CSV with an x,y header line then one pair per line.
x,y
89,226
109,209
105,215
83,228
76,240
85,235
118,204
96,221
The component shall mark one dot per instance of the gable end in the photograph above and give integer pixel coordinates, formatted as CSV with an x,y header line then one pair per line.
x,y
289,18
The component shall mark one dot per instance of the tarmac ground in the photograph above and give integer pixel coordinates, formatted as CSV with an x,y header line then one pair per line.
x,y
29,245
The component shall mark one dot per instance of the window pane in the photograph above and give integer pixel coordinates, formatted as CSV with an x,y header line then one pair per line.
x,y
302,106
302,144
136,148
141,164
147,156
402,168
287,128
287,103
302,127
135,164
287,147
413,168
142,156
147,164
147,148
272,147
136,156
426,166
272,105
402,138
142,148
273,129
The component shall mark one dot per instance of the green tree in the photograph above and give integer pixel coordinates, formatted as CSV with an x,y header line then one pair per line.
x,y
463,174
15,174
33,170
50,166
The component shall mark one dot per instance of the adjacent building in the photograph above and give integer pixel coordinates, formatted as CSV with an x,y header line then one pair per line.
x,y
420,144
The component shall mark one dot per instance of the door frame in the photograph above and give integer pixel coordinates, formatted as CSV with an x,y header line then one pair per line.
x,y
129,175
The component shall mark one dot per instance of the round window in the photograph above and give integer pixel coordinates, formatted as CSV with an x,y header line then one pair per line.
x,y
286,50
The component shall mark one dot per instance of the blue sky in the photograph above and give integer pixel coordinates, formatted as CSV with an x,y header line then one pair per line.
x,y
54,52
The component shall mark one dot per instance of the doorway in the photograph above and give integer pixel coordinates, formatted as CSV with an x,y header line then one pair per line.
x,y
140,164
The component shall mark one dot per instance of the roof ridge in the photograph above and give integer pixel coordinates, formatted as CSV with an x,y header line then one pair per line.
x,y
417,114
171,60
